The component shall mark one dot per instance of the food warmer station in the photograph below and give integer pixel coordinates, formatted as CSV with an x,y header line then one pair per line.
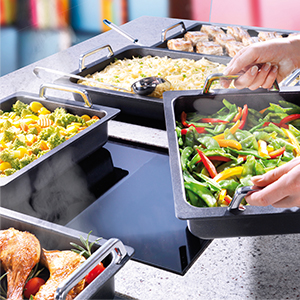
x,y
116,182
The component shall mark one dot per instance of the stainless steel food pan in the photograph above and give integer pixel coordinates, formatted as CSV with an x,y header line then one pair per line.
x,y
74,149
132,105
56,237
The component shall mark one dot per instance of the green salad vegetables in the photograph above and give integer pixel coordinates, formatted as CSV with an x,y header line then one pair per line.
x,y
222,152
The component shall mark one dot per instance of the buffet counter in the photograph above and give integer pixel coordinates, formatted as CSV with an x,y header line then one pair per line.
x,y
263,267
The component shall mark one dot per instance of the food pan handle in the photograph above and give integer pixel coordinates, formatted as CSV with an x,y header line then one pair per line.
x,y
211,78
291,78
164,31
239,195
81,92
83,56
112,246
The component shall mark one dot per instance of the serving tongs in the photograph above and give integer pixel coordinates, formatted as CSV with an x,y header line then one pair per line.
x,y
239,195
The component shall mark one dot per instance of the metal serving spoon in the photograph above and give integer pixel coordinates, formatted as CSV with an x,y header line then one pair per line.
x,y
143,87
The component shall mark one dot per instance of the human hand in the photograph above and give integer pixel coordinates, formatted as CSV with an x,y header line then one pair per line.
x,y
263,62
281,186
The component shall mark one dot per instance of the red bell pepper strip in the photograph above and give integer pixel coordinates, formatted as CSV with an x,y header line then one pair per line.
x,y
219,158
244,116
227,199
185,124
183,119
238,115
277,152
198,129
277,124
208,164
213,120
184,131
289,119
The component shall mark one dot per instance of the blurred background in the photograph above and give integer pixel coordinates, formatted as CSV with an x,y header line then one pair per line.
x,y
34,29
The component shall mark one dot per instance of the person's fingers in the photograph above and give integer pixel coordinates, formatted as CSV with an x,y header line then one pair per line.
x,y
270,78
261,76
247,78
273,175
269,195
237,63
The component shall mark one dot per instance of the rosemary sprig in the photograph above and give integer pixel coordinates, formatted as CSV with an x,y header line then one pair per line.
x,y
85,251
3,291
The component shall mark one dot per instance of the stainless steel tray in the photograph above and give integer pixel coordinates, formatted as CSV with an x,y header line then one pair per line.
x,y
74,149
56,237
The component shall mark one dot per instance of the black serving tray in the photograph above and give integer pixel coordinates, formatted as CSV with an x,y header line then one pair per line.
x,y
219,222
56,237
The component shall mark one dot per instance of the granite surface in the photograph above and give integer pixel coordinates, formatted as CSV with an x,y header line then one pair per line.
x,y
266,267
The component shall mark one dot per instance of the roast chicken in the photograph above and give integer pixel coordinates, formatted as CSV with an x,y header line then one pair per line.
x,y
60,265
19,253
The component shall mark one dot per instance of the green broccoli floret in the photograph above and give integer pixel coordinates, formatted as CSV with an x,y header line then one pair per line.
x,y
59,112
55,140
42,152
7,124
18,143
8,135
33,130
8,156
25,112
46,133
9,171
91,122
27,159
1,112
67,119
18,107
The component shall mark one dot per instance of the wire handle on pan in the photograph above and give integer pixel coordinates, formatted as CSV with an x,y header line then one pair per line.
x,y
291,78
121,31
88,53
239,196
164,31
217,76
81,92
112,246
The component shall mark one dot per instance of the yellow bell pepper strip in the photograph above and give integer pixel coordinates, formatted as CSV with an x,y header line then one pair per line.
x,y
208,164
244,116
222,194
293,141
276,153
262,148
233,130
236,171
229,143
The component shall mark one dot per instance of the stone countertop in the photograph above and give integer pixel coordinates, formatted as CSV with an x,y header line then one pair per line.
x,y
266,267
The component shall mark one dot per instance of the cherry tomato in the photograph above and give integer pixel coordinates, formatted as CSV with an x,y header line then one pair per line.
x,y
94,273
32,286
